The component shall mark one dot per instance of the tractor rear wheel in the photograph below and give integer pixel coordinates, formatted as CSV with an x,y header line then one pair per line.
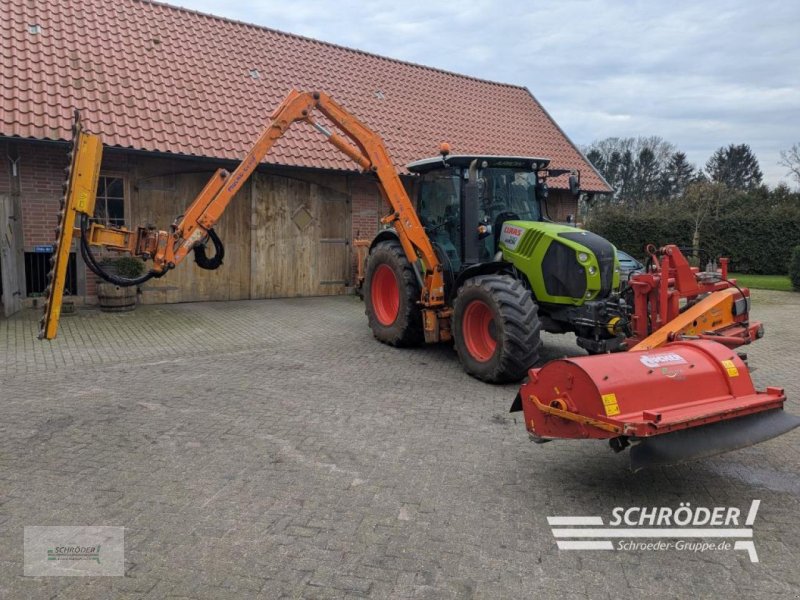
x,y
496,328
391,294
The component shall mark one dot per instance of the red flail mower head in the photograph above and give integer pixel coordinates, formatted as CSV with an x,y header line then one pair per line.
x,y
682,401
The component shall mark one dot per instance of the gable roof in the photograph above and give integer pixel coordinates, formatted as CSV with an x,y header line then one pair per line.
x,y
150,76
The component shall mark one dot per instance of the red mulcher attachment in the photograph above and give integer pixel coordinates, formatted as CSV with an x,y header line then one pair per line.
x,y
681,392
683,401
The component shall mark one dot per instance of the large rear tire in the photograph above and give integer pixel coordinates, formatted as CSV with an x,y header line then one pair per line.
x,y
391,294
496,328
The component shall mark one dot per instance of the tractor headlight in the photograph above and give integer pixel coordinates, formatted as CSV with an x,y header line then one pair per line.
x,y
589,294
592,270
583,257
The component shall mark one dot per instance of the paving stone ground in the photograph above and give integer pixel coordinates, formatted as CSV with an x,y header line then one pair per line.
x,y
275,449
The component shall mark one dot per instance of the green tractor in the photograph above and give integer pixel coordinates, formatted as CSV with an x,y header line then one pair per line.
x,y
509,272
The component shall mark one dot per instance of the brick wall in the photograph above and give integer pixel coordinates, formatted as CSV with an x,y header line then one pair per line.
x,y
560,204
41,175
367,208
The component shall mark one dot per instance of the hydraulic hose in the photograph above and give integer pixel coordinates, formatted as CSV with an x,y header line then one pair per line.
x,y
97,269
203,261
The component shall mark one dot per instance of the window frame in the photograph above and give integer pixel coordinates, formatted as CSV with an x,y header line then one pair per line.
x,y
126,205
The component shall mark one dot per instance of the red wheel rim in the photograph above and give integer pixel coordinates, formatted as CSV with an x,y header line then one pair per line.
x,y
478,327
385,295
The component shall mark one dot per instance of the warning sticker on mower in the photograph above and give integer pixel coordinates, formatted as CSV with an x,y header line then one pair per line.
x,y
730,367
610,404
511,236
664,359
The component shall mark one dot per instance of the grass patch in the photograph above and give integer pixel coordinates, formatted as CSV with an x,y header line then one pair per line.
x,y
763,282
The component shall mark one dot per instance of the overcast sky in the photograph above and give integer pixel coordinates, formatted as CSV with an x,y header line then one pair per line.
x,y
701,74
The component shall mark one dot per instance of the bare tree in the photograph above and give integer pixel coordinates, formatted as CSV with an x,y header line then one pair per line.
x,y
698,202
632,166
791,160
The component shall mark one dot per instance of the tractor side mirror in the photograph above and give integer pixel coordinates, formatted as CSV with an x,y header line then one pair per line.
x,y
575,184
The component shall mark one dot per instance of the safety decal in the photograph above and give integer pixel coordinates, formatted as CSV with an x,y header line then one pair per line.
x,y
730,368
610,404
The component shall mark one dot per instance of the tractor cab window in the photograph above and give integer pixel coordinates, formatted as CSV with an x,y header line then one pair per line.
x,y
509,191
505,195
439,210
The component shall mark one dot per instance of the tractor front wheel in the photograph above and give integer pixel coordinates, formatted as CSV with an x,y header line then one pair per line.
x,y
496,328
391,294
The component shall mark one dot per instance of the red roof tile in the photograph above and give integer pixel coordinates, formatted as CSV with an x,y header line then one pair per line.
x,y
154,77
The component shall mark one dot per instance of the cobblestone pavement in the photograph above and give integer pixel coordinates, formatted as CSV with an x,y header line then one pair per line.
x,y
275,449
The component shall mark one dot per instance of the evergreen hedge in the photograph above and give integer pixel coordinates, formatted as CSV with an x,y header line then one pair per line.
x,y
760,244
794,268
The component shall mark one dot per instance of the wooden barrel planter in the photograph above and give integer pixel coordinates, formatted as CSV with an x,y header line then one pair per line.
x,y
113,298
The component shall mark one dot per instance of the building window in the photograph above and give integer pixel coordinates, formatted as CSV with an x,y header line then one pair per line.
x,y
109,209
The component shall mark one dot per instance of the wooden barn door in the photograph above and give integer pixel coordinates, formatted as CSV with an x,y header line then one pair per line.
x,y
158,200
300,239
10,250
334,240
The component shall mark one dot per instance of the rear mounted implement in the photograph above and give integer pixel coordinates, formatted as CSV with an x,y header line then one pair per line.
x,y
674,301
683,401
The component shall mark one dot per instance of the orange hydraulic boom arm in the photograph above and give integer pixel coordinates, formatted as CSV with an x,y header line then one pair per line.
x,y
370,154
168,248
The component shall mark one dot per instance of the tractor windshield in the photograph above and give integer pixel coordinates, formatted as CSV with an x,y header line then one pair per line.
x,y
510,193
504,195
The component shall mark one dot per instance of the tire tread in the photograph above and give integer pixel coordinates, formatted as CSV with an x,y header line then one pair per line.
x,y
518,312
407,329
